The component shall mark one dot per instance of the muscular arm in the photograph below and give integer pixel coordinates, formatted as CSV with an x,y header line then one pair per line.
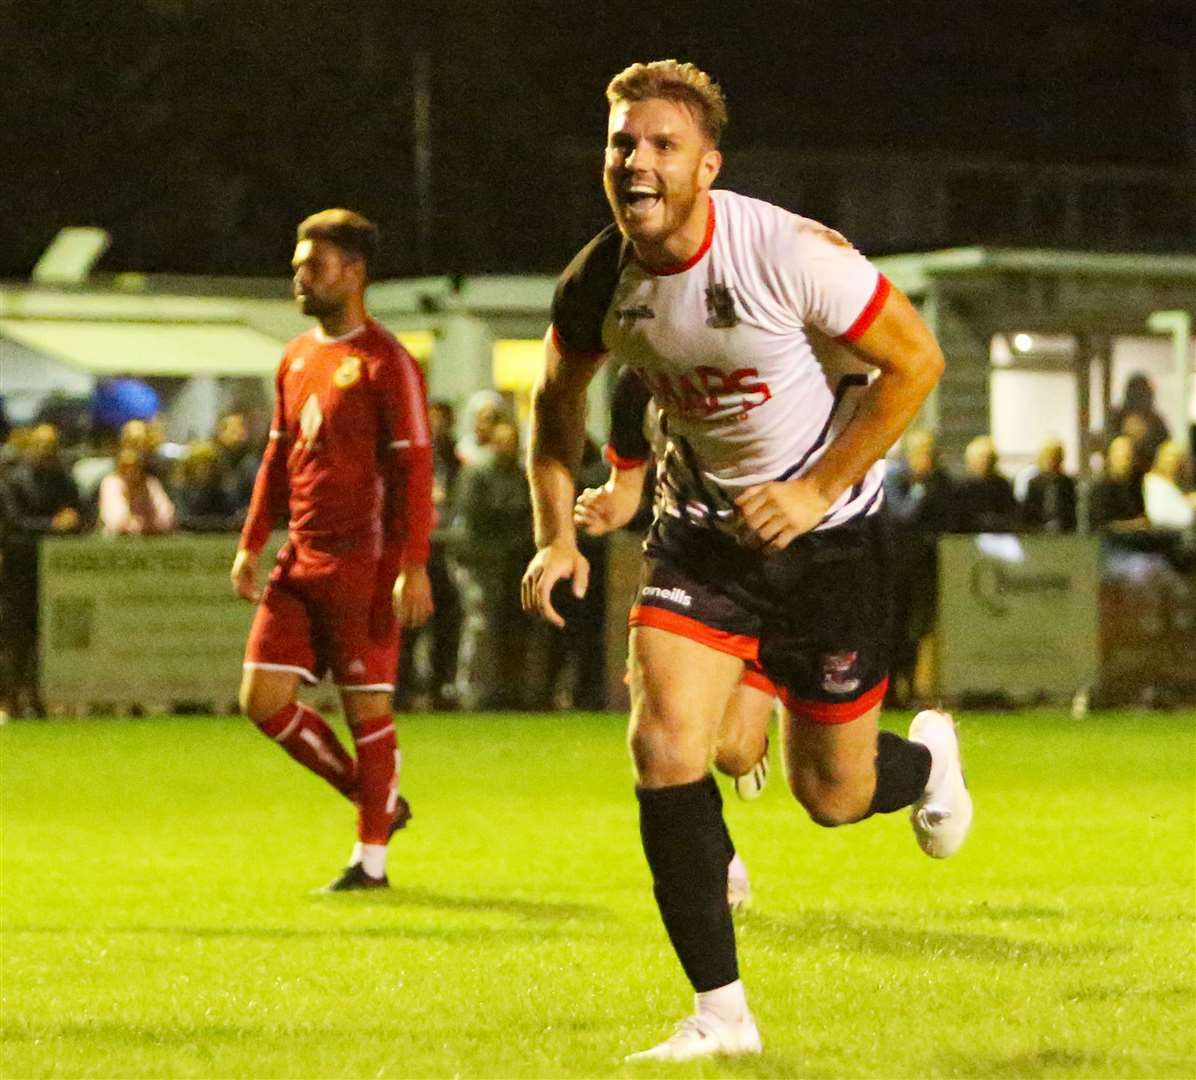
x,y
557,437
601,510
902,347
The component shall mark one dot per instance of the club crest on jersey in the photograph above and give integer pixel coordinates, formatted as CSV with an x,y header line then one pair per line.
x,y
348,374
840,672
629,316
720,307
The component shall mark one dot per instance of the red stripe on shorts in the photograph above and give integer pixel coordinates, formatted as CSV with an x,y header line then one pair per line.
x,y
723,641
835,712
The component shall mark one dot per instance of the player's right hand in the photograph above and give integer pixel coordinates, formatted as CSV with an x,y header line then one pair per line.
x,y
244,576
600,510
550,565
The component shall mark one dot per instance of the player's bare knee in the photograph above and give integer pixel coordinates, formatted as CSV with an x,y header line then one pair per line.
x,y
830,797
665,752
259,701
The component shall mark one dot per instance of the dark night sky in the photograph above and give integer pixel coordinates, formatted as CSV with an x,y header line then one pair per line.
x,y
200,131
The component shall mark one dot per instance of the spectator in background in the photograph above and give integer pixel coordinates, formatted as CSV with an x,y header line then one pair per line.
x,y
237,464
39,498
43,493
984,499
494,520
132,501
145,438
202,499
1138,418
443,630
1169,505
919,494
484,411
1115,499
1050,501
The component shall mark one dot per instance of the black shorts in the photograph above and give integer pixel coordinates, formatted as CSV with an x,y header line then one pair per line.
x,y
814,617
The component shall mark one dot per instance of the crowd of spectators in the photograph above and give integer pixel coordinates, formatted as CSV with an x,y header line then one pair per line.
x,y
1141,490
128,482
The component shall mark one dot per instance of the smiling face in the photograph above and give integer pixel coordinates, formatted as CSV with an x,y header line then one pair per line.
x,y
659,167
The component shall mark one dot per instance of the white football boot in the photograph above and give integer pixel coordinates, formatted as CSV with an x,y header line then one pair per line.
x,y
942,816
739,888
752,783
703,1035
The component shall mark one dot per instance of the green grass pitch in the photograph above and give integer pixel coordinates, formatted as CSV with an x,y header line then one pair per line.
x,y
157,918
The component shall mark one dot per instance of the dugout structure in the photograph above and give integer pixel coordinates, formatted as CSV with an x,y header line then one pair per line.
x,y
971,295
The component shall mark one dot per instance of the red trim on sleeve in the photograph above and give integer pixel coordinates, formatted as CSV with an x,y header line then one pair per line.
x,y
740,645
564,349
835,712
868,316
694,259
271,487
619,462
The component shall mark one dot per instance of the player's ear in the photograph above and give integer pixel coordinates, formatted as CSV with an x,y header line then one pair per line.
x,y
708,168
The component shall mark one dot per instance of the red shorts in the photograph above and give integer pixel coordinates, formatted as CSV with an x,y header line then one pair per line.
x,y
314,617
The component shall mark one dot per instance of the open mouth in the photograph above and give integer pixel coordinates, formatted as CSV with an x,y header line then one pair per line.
x,y
640,198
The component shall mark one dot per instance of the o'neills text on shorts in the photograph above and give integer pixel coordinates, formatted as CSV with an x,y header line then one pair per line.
x,y
673,596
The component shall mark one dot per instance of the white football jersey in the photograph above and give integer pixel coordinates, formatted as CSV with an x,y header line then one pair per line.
x,y
742,348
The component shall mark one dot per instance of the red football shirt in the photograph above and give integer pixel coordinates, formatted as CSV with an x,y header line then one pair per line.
x,y
349,460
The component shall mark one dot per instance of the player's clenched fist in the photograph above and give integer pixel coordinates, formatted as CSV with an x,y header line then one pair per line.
x,y
603,509
244,576
782,510
550,565
413,597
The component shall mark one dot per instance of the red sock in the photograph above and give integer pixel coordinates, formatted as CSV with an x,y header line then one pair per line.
x,y
377,789
303,733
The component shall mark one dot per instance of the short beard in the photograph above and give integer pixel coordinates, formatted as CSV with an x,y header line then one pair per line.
x,y
318,308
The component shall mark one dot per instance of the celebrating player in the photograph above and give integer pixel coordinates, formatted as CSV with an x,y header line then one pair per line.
x,y
785,366
349,464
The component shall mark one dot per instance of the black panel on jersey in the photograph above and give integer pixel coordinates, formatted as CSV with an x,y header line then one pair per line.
x,y
627,407
584,292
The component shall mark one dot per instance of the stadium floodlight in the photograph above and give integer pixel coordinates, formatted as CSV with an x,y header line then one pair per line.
x,y
71,255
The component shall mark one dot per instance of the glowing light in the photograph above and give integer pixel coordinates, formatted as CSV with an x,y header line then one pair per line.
x,y
1023,342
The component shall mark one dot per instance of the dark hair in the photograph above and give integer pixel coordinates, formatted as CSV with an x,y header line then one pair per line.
x,y
674,81
347,229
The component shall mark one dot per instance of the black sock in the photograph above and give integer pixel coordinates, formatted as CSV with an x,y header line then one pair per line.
x,y
688,849
902,769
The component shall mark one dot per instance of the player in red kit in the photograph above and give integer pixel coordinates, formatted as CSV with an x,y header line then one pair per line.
x,y
349,465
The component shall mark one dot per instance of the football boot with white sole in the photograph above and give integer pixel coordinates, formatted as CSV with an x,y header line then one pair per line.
x,y
702,1035
943,815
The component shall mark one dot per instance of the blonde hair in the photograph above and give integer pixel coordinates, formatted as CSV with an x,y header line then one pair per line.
x,y
674,81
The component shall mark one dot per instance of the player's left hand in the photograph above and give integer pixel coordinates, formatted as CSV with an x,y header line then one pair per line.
x,y
413,597
778,512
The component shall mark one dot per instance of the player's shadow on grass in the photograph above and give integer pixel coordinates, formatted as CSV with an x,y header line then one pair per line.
x,y
411,896
818,929
1054,1061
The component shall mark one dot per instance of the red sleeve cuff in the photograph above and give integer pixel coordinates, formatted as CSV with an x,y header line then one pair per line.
x,y
622,463
868,316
